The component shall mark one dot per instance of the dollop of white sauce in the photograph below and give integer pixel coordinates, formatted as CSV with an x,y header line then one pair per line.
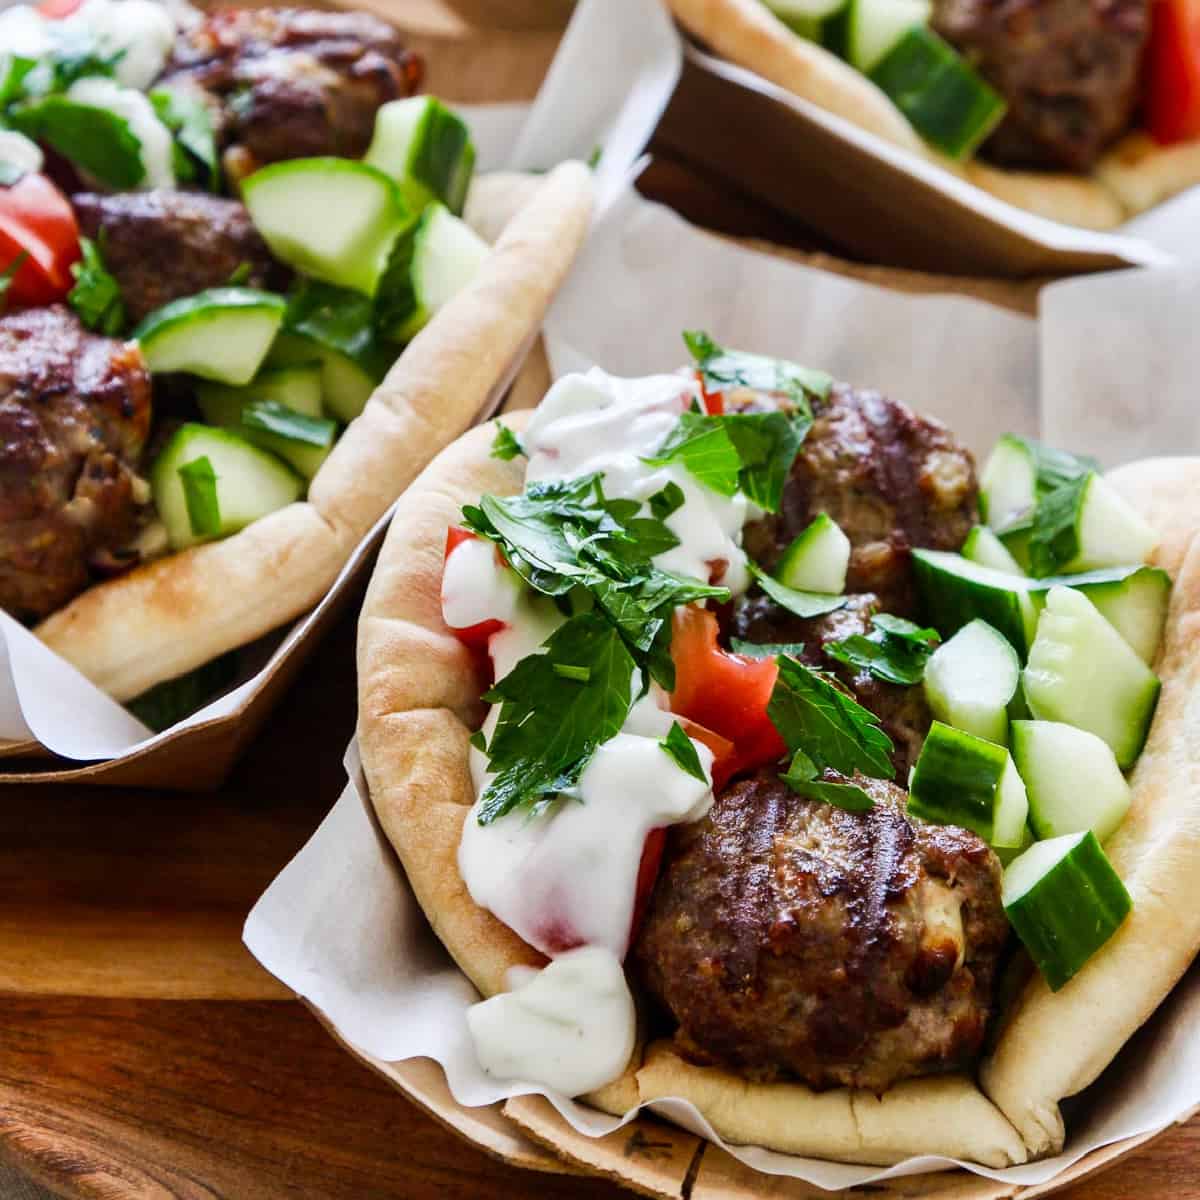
x,y
20,151
24,32
157,152
570,1026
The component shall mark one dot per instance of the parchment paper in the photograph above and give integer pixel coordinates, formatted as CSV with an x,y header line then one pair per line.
x,y
340,926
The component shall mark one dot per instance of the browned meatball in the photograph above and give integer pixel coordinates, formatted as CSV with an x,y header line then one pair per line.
x,y
891,479
1067,68
292,83
788,937
162,245
74,415
902,711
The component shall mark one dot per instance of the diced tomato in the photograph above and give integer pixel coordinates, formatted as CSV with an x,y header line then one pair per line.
x,y
652,852
714,402
55,10
474,636
37,221
726,693
1172,72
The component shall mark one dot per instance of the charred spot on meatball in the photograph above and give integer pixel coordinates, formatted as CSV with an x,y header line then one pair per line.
x,y
74,418
789,938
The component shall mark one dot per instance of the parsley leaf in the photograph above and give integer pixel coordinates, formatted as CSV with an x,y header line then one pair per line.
x,y
801,777
800,604
96,296
506,445
9,274
1054,541
766,649
814,715
93,138
682,749
14,70
895,652
663,503
337,319
549,726
701,445
190,122
724,370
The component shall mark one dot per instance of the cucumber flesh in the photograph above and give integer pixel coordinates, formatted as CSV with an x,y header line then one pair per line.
x,y
250,482
963,780
329,217
222,334
874,27
298,387
1006,854
345,386
426,149
1008,484
971,679
817,558
985,548
1082,672
1065,900
955,591
1072,778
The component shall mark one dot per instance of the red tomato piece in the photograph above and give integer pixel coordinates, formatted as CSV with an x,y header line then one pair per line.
x,y
726,693
55,10
37,221
714,402
1172,72
473,636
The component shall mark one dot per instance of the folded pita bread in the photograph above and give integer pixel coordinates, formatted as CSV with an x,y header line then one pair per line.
x,y
419,702
1134,175
174,614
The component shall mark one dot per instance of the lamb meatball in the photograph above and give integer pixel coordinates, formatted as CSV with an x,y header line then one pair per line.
x,y
891,479
74,417
292,83
787,937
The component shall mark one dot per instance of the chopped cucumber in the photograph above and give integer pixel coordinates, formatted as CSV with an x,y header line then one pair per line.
x,y
1134,600
433,260
1065,900
1072,779
297,387
1007,853
345,386
955,591
221,334
965,780
1082,671
330,217
808,18
1008,484
426,149
985,548
250,483
944,98
817,559
874,27
971,679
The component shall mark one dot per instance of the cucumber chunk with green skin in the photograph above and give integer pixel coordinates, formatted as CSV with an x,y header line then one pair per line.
x,y
1007,853
426,149
810,19
431,262
1072,778
875,27
1134,600
955,591
817,558
222,334
985,548
1065,900
345,386
302,441
298,387
250,482
971,679
964,780
329,217
1008,484
1082,672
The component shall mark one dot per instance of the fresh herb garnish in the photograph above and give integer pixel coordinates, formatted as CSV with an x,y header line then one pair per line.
x,y
683,750
766,649
813,714
96,296
93,138
190,123
800,604
14,70
896,651
200,494
726,370
337,319
1053,541
9,274
270,416
801,777
506,445
666,501
702,446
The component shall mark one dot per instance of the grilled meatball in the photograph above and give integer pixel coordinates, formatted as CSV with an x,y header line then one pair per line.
x,y
902,711
1068,69
788,937
162,245
74,415
292,83
891,479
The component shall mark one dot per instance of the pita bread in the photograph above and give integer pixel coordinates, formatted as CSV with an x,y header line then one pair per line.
x,y
1134,175
418,702
174,614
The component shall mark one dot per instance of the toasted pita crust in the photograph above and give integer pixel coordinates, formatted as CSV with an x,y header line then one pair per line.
x,y
1132,177
177,613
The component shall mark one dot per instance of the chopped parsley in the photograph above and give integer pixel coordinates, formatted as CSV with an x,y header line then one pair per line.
x,y
896,651
96,296
798,603
9,274
195,143
666,501
93,138
801,777
506,445
683,750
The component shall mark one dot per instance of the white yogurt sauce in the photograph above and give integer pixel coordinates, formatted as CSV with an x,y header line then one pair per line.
x,y
566,879
157,153
20,151
573,1023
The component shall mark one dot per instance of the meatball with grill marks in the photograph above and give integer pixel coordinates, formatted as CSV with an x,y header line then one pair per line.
x,y
788,937
74,417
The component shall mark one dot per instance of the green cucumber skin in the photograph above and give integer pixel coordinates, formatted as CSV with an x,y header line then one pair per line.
x,y
1052,920
956,779
405,313
800,564
215,300
445,160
